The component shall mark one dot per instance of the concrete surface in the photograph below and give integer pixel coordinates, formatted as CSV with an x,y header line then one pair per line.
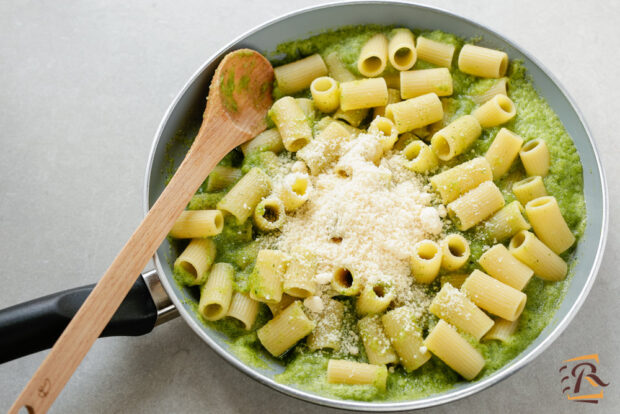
x,y
83,88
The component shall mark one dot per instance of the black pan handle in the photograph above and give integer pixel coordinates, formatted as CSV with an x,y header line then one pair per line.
x,y
33,326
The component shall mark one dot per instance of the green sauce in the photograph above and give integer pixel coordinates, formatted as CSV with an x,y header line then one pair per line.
x,y
535,119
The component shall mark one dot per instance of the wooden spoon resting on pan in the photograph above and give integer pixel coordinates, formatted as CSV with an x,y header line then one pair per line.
x,y
239,98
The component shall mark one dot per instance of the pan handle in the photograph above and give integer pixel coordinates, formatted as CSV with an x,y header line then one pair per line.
x,y
33,326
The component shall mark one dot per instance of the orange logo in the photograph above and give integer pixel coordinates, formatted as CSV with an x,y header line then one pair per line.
x,y
576,371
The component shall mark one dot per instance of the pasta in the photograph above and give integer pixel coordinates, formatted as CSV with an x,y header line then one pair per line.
x,y
269,140
498,88
415,112
267,276
345,283
454,252
437,53
295,190
325,93
376,344
426,261
507,222
269,214
222,177
386,130
192,265
453,183
502,330
494,296
337,69
454,307
401,50
216,294
529,189
496,111
419,82
243,309
298,278
353,117
298,75
455,279
535,157
536,255
291,122
483,62
445,342
373,299
420,157
503,266
456,137
364,93
373,56
393,97
326,334
548,224
197,223
351,372
406,337
503,151
285,329
476,205
325,148
243,198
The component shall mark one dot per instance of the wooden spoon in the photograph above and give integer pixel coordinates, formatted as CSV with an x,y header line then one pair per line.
x,y
239,98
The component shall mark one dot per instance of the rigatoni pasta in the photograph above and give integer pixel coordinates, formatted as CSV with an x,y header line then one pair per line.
x,y
269,140
197,223
364,93
243,198
401,49
503,266
545,263
373,56
419,82
425,261
192,266
476,205
456,137
456,181
298,75
216,294
535,157
325,93
503,151
420,157
548,224
268,275
376,344
494,296
482,61
496,111
529,189
434,52
291,122
507,222
285,329
243,309
415,112
454,252
406,337
326,334
269,214
356,373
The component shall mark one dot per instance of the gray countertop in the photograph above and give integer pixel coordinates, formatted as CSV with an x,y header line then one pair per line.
x,y
83,88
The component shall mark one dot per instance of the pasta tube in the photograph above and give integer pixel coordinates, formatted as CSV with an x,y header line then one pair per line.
x,y
419,82
337,69
425,261
191,267
267,276
503,151
453,183
548,224
449,346
324,149
476,205
502,330
507,222
529,189
420,157
297,76
299,276
482,61
498,88
437,53
356,373
345,283
325,93
535,157
376,344
243,198
269,214
328,324
496,111
363,93
456,137
455,279
197,223
393,97
494,296
537,256
222,177
269,140
243,309
385,130
503,266
291,122
454,251
216,294
294,190
415,112
453,306
374,298
406,337
285,330
401,50
373,56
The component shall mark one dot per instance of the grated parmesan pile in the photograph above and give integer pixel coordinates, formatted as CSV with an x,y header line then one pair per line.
x,y
367,222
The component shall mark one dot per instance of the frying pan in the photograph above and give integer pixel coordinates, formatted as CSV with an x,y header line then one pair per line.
x,y
156,298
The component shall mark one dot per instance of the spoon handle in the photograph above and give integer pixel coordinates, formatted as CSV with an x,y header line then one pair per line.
x,y
64,358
